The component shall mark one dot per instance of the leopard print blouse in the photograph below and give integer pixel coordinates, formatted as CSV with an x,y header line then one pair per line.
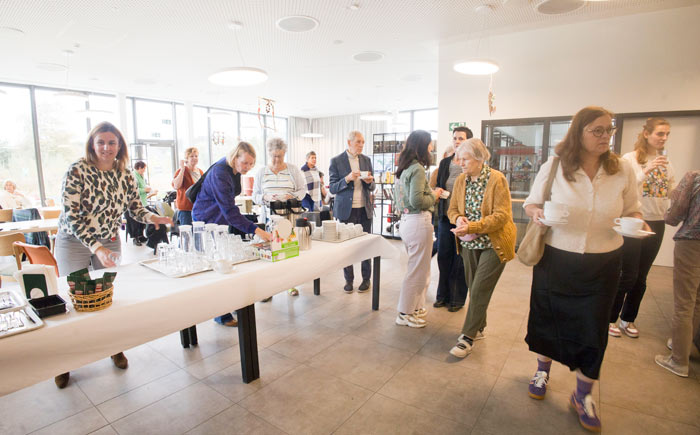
x,y
94,202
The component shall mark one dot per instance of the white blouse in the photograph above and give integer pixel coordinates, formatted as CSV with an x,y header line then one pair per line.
x,y
593,206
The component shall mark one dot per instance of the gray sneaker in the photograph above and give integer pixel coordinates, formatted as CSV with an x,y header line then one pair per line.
x,y
669,364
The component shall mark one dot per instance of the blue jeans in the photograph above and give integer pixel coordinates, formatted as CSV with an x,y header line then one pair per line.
x,y
184,217
452,286
223,319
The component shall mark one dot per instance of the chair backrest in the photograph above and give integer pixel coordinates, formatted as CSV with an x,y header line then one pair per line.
x,y
6,242
50,202
36,254
51,214
6,215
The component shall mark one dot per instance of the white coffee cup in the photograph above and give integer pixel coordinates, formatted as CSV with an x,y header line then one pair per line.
x,y
629,224
222,266
445,194
555,211
364,174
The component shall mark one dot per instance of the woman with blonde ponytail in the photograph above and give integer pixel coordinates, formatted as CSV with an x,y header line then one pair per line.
x,y
655,179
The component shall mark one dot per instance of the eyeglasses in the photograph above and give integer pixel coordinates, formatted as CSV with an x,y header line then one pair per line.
x,y
599,131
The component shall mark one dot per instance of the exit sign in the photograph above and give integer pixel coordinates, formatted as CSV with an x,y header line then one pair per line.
x,y
457,124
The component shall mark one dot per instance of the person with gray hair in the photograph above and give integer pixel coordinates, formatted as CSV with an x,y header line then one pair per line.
x,y
277,181
314,195
352,183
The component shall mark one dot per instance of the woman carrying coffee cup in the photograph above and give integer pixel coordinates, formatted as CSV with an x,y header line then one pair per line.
x,y
655,179
575,283
482,212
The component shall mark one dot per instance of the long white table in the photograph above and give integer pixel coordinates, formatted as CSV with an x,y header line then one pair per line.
x,y
148,305
33,226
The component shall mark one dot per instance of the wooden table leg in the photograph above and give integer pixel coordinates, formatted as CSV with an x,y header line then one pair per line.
x,y
248,344
317,286
376,269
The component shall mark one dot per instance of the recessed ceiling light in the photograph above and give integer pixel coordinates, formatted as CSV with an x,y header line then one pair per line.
x,y
311,135
368,56
297,23
556,7
11,32
235,25
239,76
377,116
47,66
476,67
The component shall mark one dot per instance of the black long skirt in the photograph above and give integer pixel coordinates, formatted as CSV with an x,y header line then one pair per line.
x,y
570,302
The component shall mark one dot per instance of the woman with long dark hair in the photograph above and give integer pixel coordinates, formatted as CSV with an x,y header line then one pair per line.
x,y
655,179
575,283
415,201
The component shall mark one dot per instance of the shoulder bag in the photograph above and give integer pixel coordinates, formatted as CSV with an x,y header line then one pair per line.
x,y
531,247
192,191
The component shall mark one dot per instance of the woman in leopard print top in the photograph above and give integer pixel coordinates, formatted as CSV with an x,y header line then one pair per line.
x,y
97,190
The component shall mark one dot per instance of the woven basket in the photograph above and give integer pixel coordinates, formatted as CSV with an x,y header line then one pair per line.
x,y
94,302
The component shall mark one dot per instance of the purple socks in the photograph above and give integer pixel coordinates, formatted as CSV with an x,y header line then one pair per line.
x,y
544,366
583,388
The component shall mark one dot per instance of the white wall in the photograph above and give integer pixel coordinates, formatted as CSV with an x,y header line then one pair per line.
x,y
638,63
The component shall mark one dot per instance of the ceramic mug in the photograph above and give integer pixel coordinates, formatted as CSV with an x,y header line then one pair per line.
x,y
629,224
554,211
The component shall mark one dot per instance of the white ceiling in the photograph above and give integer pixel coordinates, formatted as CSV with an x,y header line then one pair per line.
x,y
166,49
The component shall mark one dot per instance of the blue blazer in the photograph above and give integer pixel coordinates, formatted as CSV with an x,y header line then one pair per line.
x,y
339,169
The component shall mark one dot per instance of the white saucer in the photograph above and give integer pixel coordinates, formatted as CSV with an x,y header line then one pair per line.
x,y
640,234
551,222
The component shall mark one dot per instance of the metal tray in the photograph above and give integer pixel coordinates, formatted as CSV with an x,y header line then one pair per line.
x,y
19,321
337,241
154,264
11,301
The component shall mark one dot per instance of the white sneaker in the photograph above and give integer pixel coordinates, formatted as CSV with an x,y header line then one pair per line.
x,y
420,313
629,329
462,348
614,331
669,364
410,321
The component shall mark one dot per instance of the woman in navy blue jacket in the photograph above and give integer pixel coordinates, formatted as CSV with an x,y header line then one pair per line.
x,y
216,200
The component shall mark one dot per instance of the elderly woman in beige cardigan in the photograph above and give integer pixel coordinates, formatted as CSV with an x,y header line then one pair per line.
x,y
481,209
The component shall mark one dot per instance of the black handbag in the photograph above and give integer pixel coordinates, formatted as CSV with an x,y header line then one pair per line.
x,y
192,191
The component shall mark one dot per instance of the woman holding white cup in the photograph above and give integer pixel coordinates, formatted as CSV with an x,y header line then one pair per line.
x,y
655,179
575,283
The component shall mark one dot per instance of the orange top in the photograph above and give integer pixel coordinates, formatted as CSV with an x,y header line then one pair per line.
x,y
181,201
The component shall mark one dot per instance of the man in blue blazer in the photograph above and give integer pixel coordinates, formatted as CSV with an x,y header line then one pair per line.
x,y
352,183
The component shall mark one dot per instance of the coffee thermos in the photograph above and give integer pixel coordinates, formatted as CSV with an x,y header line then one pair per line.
x,y
302,228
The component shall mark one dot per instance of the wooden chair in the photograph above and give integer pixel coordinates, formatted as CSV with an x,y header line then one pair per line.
x,y
7,249
50,214
50,202
36,254
6,215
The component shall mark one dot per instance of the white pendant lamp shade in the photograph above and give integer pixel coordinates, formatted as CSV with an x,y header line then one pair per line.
x,y
476,67
238,76
311,135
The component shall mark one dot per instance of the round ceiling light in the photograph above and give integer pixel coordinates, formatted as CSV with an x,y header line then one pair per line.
x,y
311,135
297,23
239,76
556,7
476,67
53,67
368,56
377,116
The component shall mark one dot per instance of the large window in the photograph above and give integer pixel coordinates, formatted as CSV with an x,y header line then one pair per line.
x,y
201,135
17,152
154,120
253,133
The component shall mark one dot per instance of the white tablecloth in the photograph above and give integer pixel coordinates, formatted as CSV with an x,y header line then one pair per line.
x,y
148,305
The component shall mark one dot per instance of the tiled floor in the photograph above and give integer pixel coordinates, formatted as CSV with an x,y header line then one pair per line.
x,y
331,365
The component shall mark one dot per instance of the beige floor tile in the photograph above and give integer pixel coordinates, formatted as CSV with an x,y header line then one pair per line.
x,y
383,416
509,410
235,420
82,423
176,413
489,354
351,317
449,390
40,405
212,338
107,430
140,397
102,381
307,342
230,383
636,352
363,362
499,323
654,392
620,421
212,364
307,401
383,329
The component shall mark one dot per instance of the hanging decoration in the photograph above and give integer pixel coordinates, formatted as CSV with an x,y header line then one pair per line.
x,y
217,138
269,111
492,97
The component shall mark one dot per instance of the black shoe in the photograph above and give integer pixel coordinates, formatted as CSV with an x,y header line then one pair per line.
x,y
454,308
439,304
364,286
62,380
143,239
348,287
137,242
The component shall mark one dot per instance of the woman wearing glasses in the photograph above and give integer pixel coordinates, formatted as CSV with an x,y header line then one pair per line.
x,y
655,179
575,283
